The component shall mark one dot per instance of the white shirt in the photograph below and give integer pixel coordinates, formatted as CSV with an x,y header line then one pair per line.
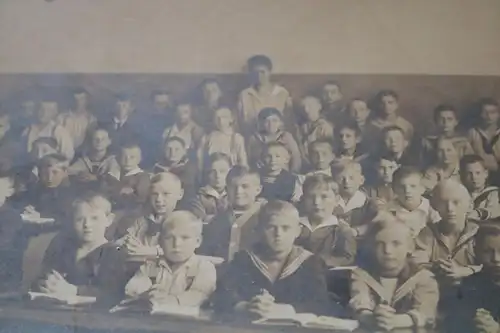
x,y
331,221
356,201
416,219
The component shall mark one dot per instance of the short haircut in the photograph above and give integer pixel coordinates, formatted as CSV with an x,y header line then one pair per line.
x,y
341,166
486,230
174,138
485,101
239,171
53,160
393,128
382,221
332,83
275,144
386,92
404,172
319,181
183,217
165,177
184,102
209,80
385,156
268,112
321,142
130,144
442,108
49,141
93,199
470,159
218,156
316,98
353,126
446,186
277,208
259,60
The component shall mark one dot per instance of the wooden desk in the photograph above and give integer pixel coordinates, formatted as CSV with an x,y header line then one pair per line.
x,y
14,317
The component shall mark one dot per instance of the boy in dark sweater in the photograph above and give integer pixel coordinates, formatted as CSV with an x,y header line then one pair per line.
x,y
274,271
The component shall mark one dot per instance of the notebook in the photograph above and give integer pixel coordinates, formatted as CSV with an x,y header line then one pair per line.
x,y
58,299
285,315
175,310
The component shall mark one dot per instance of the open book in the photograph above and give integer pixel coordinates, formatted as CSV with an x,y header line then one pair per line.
x,y
284,314
64,300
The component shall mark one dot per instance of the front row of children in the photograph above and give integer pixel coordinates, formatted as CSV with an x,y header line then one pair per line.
x,y
403,279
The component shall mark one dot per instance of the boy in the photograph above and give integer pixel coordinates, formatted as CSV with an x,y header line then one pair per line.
x,y
79,260
410,206
96,162
387,291
277,182
314,127
130,187
46,126
448,245
388,104
359,112
184,127
12,241
211,99
446,120
262,93
381,190
321,157
78,120
274,271
178,276
395,144
141,238
122,127
176,160
445,167
353,205
485,199
350,138
321,232
234,228
334,109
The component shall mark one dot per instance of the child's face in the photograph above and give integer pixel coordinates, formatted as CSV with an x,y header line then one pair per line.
x,y
81,100
279,233
47,112
321,156
348,138
161,102
359,111
183,113
488,254
260,74
163,196
446,121
218,173
41,149
243,191
453,207
395,142
490,115
179,242
446,153
101,140
90,223
6,190
386,170
312,108
331,94
349,180
272,124
320,202
130,158
389,105
409,190
174,151
391,248
276,159
211,92
123,109
53,176
475,176
223,119
4,125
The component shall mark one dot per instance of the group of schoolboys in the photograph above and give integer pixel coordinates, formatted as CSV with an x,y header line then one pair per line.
x,y
280,195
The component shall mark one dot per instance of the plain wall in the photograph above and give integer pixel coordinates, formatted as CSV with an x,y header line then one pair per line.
x,y
216,36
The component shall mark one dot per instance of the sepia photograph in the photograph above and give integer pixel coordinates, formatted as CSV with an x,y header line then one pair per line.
x,y
213,166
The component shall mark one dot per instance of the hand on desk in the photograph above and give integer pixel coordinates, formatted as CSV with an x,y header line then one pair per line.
x,y
485,323
384,317
56,284
259,306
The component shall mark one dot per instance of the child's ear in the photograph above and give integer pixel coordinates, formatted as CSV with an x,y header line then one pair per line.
x,y
199,239
181,193
111,218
